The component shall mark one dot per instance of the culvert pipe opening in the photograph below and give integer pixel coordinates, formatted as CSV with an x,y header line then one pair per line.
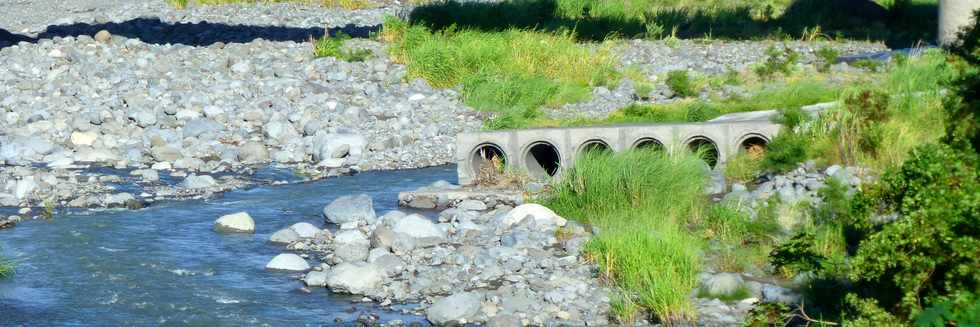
x,y
542,160
648,144
594,146
754,146
488,160
706,149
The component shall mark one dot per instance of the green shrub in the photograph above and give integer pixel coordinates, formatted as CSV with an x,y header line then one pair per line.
x,y
333,46
744,167
679,81
785,152
777,61
828,56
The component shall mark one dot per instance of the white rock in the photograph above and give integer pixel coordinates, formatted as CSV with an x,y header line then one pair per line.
x,y
355,278
420,230
316,278
83,138
456,307
287,262
539,213
351,245
284,236
235,223
305,230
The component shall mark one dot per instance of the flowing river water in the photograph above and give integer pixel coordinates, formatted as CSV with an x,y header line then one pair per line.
x,y
164,265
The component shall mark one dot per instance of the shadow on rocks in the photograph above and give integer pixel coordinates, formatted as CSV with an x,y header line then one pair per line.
x,y
153,30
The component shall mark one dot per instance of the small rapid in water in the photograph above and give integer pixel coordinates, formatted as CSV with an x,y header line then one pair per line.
x,y
164,265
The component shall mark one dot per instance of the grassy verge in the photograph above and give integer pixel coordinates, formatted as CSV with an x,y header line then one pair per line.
x,y
882,117
333,46
641,202
511,73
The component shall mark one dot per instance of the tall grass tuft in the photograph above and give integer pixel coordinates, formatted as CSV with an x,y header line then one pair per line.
x,y
641,202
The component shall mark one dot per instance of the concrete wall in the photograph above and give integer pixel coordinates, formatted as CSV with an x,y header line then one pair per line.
x,y
953,16
727,137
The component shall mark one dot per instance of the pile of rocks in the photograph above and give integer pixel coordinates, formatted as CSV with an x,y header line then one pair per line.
x,y
474,264
801,185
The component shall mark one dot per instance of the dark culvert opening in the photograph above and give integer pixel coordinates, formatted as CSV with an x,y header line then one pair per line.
x,y
542,160
487,157
754,147
595,146
706,149
649,144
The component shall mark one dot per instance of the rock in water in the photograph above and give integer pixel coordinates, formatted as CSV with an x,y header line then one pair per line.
x,y
316,278
351,208
198,182
287,262
454,308
284,236
235,223
305,230
538,213
355,278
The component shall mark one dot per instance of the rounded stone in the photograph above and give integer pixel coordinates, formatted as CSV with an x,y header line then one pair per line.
x,y
287,262
239,222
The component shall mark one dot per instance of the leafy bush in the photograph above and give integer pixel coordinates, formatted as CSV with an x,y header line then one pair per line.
x,y
744,166
777,61
680,82
785,152
828,56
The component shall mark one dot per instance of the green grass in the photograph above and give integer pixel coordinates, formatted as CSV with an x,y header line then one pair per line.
x,y
333,46
511,73
641,201
914,102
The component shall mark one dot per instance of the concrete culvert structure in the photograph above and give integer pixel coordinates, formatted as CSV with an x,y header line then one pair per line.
x,y
706,148
485,155
754,146
598,146
648,144
542,160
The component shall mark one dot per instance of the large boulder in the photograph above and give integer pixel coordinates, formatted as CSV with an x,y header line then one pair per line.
x,y
305,230
235,223
459,307
288,262
723,284
350,208
539,215
316,278
355,278
351,245
415,231
253,152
